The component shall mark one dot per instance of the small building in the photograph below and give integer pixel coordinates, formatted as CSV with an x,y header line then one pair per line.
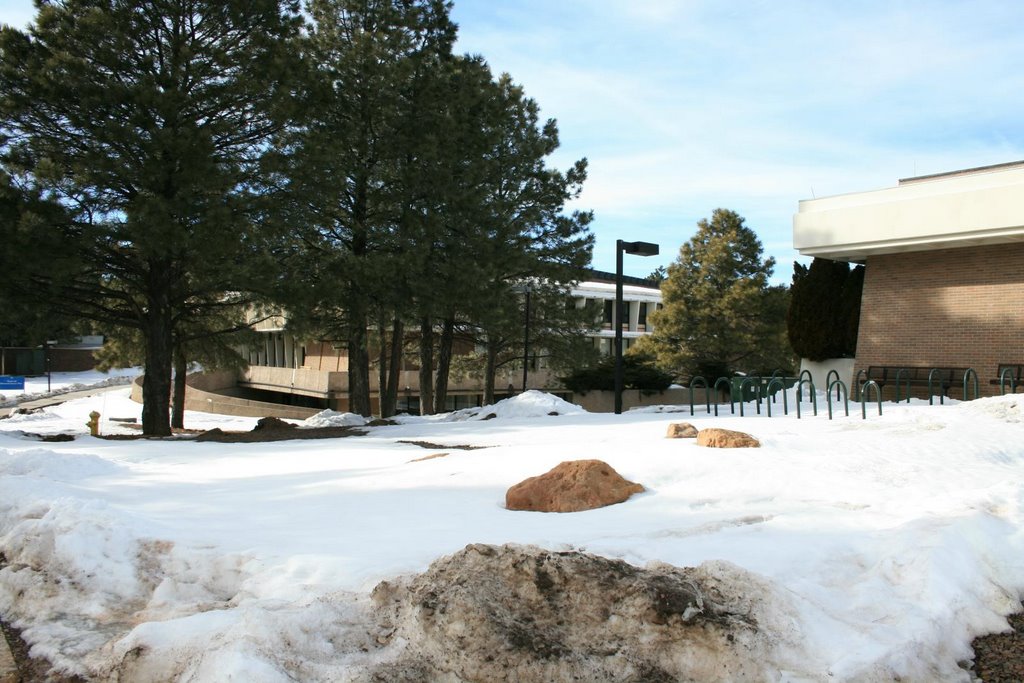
x,y
75,355
944,267
284,369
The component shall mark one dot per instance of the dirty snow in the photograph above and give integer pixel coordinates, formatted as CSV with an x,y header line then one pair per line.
x,y
888,543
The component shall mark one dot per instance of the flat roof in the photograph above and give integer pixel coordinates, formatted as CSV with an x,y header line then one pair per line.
x,y
970,207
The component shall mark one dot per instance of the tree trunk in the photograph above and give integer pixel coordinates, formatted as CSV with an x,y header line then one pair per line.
x,y
389,397
178,403
489,372
426,366
444,364
358,361
382,367
156,382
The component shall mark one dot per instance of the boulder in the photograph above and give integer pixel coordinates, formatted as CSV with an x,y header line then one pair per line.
x,y
524,614
726,438
681,430
571,487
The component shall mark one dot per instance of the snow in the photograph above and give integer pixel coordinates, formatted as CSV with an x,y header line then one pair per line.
x,y
65,382
884,545
333,418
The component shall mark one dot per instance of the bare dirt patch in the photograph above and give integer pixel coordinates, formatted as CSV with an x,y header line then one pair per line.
x,y
437,446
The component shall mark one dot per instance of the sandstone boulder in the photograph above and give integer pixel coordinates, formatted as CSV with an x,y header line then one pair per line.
x,y
571,487
726,438
681,430
524,614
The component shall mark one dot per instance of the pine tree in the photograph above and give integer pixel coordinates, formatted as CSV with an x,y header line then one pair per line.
x,y
515,231
717,305
353,179
824,310
143,125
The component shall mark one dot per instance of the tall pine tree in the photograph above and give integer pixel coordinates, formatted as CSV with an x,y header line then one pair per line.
x,y
143,126
353,175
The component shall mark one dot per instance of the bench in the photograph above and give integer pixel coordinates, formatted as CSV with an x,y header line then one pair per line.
x,y
902,376
1008,374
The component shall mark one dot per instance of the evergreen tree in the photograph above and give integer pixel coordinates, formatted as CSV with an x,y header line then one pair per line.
x,y
851,294
142,126
515,232
718,308
824,310
354,178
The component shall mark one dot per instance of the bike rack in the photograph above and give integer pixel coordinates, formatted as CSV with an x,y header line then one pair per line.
x,y
800,380
728,386
878,396
931,397
969,372
832,376
1007,372
707,396
750,380
906,375
785,401
856,381
846,396
811,393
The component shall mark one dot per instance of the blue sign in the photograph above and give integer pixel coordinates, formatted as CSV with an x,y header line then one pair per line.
x,y
12,382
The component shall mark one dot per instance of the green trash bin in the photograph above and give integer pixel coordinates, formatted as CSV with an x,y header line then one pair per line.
x,y
744,393
748,392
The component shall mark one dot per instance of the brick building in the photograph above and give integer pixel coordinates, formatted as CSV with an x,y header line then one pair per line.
x,y
944,267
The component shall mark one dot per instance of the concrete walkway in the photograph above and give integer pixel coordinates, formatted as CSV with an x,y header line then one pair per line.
x,y
33,404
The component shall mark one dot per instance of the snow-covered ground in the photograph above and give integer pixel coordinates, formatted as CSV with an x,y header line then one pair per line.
x,y
885,544
65,382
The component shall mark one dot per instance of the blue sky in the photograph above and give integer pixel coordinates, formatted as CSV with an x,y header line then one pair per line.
x,y
685,106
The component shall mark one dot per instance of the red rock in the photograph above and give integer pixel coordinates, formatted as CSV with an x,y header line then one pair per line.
x,y
571,487
681,430
726,438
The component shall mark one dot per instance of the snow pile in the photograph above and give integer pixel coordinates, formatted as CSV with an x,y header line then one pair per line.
x,y
1002,408
332,418
528,404
493,613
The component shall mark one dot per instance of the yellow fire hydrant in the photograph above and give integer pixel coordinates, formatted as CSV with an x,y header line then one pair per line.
x,y
94,423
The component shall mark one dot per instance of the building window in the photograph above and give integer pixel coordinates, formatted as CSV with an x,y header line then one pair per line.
x,y
641,323
609,307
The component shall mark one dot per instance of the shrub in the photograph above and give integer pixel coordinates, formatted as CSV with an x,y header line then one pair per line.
x,y
824,309
638,372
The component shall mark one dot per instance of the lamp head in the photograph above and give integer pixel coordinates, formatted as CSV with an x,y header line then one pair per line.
x,y
640,248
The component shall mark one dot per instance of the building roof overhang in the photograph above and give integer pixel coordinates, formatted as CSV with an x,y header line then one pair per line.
x,y
964,208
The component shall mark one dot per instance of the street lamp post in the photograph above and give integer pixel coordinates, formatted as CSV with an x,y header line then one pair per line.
x,y
526,338
637,249
48,345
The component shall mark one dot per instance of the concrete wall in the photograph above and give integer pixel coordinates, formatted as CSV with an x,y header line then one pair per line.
x,y
820,371
948,308
202,394
604,401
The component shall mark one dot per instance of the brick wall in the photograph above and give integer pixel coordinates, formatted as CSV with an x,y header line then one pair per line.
x,y
949,308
